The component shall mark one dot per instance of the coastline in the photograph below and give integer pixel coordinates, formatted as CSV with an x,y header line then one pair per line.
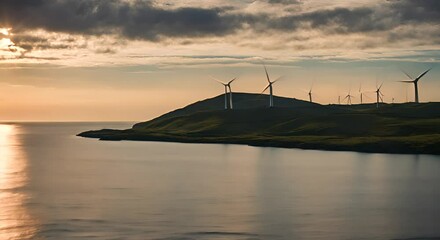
x,y
420,144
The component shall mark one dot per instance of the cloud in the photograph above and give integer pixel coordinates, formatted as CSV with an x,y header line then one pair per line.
x,y
144,20
105,50
284,2
364,19
40,25
134,20
416,11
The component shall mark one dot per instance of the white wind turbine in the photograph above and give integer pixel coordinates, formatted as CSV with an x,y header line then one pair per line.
x,y
269,85
415,81
362,94
227,86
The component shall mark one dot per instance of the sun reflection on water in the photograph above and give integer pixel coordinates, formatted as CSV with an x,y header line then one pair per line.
x,y
15,220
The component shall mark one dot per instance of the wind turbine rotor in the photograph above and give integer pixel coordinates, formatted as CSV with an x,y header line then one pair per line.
x,y
268,86
215,79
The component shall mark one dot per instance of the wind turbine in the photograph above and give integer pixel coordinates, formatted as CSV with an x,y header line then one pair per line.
x,y
310,93
349,97
379,95
361,93
415,81
269,85
227,86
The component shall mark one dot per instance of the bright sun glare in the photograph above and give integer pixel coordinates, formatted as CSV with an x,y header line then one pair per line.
x,y
5,31
5,43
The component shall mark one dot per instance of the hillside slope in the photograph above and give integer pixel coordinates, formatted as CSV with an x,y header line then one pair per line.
x,y
393,128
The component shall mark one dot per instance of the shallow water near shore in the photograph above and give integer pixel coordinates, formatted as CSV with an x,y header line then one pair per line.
x,y
54,185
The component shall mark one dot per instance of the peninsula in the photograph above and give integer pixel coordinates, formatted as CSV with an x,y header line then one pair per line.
x,y
412,128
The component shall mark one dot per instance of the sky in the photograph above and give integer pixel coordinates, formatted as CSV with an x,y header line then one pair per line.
x,y
132,60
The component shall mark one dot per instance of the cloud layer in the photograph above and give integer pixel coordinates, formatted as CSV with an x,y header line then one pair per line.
x,y
297,25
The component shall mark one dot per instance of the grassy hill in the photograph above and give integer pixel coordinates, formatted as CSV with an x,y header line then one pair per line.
x,y
392,128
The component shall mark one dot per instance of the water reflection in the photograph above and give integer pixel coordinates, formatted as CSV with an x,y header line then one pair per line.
x,y
83,188
15,221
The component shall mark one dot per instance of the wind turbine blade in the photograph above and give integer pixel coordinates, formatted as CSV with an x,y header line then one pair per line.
x,y
278,79
267,75
406,81
421,75
265,88
407,74
215,79
345,98
360,87
232,81
380,86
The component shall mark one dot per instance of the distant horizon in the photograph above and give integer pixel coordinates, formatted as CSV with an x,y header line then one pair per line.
x,y
6,121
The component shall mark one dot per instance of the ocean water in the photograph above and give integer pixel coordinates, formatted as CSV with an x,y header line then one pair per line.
x,y
54,185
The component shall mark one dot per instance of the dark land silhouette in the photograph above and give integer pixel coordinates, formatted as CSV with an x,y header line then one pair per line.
x,y
293,123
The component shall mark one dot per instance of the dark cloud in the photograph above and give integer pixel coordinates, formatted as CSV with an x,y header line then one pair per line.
x,y
138,19
340,20
387,16
427,11
30,43
145,21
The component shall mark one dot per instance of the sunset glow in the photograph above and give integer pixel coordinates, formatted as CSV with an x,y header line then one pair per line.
x,y
13,176
4,31
338,44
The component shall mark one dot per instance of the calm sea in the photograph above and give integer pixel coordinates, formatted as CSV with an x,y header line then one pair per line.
x,y
54,185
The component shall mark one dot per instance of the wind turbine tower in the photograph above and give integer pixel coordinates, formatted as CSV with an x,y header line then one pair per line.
x,y
230,92
310,93
269,85
361,93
